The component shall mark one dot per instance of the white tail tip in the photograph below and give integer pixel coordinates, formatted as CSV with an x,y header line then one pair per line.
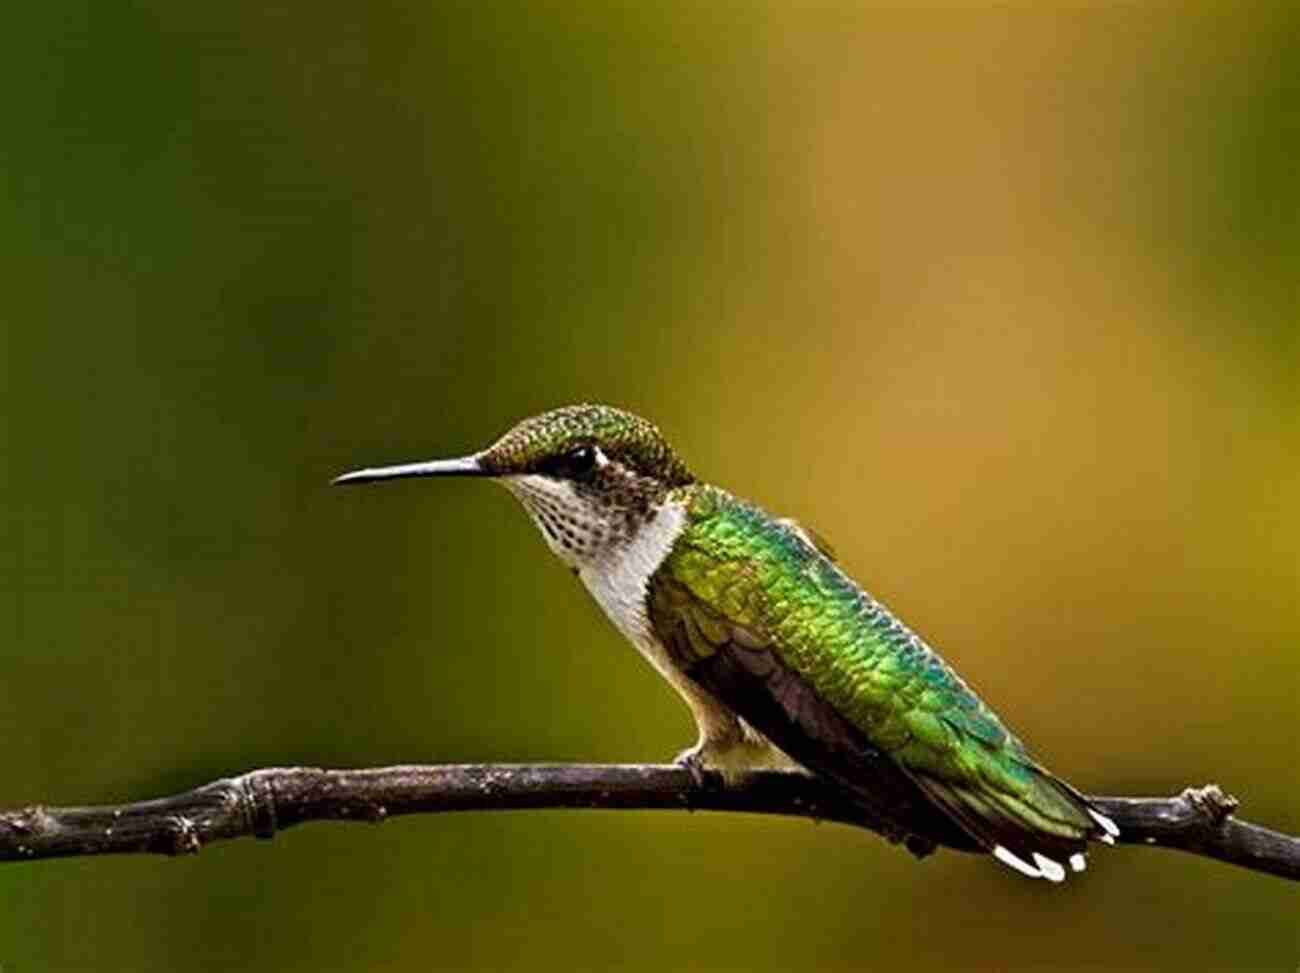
x,y
1078,862
1012,861
1052,871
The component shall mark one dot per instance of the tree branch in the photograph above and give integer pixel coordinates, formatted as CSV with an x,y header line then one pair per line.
x,y
261,803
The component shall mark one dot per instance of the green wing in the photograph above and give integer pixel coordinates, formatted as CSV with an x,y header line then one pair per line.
x,y
767,623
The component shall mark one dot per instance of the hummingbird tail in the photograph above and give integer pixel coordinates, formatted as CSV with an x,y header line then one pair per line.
x,y
1041,831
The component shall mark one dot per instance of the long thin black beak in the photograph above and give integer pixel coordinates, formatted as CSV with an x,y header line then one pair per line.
x,y
464,466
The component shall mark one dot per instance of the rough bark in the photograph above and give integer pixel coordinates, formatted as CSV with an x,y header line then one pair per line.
x,y
262,803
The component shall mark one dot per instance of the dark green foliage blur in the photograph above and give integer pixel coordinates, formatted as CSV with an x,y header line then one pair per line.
x,y
1002,303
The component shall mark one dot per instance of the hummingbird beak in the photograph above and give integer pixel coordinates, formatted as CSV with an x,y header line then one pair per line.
x,y
464,466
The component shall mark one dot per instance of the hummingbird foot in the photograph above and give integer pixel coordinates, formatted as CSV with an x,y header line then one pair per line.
x,y
692,760
733,755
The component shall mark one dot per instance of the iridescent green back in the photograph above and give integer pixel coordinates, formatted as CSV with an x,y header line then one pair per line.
x,y
763,576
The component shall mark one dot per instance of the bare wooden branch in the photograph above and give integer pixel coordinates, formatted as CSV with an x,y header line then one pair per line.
x,y
261,803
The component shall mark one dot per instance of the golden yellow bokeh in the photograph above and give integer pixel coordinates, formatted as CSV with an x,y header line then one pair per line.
x,y
999,298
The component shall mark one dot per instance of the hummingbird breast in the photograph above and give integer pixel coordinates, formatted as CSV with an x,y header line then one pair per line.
x,y
619,581
618,578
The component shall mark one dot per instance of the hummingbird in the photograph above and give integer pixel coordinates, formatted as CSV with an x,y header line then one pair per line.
x,y
784,661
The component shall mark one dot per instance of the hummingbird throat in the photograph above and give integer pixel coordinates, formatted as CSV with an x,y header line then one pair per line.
x,y
583,524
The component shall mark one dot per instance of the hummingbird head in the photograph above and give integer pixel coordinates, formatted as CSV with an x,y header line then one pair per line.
x,y
590,476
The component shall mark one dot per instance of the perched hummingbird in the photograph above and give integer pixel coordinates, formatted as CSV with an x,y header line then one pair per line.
x,y
783,660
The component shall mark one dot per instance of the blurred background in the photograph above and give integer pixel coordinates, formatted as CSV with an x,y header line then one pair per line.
x,y
1003,303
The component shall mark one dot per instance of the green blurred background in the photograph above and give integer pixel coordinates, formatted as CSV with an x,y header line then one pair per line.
x,y
1004,303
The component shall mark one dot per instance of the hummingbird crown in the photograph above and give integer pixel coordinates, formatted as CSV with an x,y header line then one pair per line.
x,y
569,442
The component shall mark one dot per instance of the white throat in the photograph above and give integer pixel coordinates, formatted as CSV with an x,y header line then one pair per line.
x,y
615,569
617,578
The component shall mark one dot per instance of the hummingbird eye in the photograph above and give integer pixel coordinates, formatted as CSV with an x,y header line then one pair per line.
x,y
576,464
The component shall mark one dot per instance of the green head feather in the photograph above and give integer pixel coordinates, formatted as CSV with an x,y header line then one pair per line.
x,y
621,436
